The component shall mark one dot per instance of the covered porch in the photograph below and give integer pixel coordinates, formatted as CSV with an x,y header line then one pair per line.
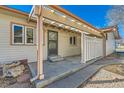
x,y
91,41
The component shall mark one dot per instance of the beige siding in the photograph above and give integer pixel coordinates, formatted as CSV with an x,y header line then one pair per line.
x,y
9,52
64,47
110,43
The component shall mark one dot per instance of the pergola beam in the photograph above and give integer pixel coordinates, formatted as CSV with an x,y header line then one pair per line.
x,y
31,13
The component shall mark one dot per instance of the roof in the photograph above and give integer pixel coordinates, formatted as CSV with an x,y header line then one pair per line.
x,y
54,7
113,29
13,10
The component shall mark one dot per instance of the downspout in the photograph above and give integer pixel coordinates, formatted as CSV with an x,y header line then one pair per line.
x,y
38,13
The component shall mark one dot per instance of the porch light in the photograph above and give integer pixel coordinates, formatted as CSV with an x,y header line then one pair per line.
x,y
64,16
79,23
73,20
52,22
43,19
92,29
84,26
114,29
66,26
72,28
76,30
52,11
60,25
89,28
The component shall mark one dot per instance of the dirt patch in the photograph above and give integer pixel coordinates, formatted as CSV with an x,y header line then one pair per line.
x,y
15,76
115,68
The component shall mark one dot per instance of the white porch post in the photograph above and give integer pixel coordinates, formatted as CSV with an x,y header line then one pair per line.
x,y
38,12
83,45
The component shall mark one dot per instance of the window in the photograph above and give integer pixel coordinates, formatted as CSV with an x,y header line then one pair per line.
x,y
29,35
21,35
106,36
18,34
73,40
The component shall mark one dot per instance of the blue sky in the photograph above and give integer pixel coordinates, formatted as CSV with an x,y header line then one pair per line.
x,y
94,14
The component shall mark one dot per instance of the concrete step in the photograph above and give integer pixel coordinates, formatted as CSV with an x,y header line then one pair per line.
x,y
55,58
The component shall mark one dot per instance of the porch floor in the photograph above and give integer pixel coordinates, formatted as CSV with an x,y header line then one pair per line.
x,y
54,70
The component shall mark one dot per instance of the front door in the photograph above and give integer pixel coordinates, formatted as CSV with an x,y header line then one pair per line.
x,y
52,43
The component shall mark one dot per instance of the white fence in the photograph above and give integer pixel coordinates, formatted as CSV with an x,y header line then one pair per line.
x,y
93,47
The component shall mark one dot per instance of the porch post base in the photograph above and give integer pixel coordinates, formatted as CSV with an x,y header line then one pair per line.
x,y
83,62
41,76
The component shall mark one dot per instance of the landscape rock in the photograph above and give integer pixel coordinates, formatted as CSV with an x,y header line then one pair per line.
x,y
13,64
14,71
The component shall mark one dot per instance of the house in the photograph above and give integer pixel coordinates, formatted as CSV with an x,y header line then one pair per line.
x,y
111,35
48,32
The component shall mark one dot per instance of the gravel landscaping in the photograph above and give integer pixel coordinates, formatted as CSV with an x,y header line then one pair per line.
x,y
111,76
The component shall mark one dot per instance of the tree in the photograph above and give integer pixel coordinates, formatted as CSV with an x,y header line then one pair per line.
x,y
115,15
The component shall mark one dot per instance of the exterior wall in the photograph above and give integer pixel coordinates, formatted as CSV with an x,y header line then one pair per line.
x,y
10,52
110,43
64,47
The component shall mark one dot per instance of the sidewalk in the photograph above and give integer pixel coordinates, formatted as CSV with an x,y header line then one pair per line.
x,y
80,77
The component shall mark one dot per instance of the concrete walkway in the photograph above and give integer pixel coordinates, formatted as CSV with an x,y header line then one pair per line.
x,y
80,77
70,73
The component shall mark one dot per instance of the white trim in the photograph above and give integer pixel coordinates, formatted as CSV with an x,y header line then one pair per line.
x,y
26,36
13,34
31,13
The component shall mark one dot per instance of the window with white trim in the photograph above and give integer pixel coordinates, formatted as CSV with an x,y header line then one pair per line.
x,y
22,34
29,35
17,34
